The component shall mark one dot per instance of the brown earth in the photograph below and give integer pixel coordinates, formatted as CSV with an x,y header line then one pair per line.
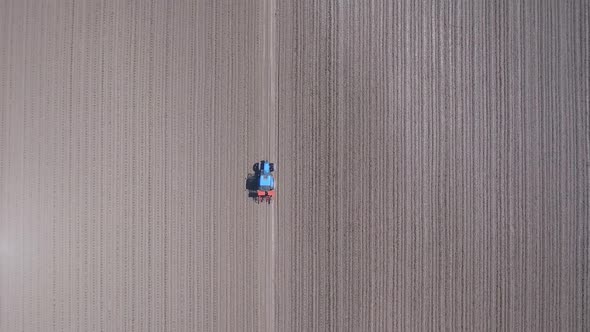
x,y
433,165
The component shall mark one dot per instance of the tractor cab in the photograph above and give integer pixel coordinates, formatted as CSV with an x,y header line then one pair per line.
x,y
266,182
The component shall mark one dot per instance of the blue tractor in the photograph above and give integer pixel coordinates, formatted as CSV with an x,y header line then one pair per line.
x,y
265,190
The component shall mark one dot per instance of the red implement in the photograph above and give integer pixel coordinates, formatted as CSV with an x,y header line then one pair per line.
x,y
263,195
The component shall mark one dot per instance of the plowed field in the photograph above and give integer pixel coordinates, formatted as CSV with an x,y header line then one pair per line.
x,y
433,165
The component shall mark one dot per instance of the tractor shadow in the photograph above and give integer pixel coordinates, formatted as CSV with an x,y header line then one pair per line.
x,y
252,185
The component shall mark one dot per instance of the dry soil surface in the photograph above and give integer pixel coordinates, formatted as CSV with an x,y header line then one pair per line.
x,y
127,129
433,162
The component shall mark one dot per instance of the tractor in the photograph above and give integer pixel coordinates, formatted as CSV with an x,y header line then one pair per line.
x,y
264,188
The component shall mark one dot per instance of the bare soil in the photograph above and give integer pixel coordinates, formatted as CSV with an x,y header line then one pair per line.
x,y
433,165
127,130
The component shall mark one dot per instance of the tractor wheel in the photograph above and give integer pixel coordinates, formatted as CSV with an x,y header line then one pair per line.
x,y
272,167
256,167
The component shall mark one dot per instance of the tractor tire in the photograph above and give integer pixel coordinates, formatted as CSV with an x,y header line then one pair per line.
x,y
256,168
272,167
